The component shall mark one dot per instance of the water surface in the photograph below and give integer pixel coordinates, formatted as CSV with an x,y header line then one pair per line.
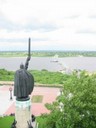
x,y
39,63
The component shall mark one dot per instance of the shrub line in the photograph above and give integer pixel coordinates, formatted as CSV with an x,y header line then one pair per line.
x,y
36,84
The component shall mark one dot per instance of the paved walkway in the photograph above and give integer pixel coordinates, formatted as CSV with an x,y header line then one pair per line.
x,y
7,106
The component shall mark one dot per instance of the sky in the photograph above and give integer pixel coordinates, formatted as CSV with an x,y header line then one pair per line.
x,y
51,24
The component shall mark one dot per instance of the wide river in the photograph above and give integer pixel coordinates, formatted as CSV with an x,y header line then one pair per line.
x,y
39,63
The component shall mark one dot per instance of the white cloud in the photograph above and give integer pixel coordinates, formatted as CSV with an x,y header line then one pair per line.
x,y
53,24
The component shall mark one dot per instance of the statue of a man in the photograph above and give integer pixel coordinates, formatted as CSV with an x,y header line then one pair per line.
x,y
23,80
23,83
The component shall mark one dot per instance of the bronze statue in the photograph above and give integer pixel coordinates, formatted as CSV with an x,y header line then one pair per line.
x,y
23,80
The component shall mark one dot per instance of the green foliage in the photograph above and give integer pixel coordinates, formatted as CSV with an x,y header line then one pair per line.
x,y
41,77
51,120
64,53
6,75
6,122
76,106
48,53
79,96
13,54
46,77
42,120
37,98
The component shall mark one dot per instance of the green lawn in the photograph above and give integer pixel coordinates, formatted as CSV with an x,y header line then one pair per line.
x,y
37,99
6,122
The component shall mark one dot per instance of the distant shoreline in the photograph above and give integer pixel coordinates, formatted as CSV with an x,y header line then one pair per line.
x,y
48,53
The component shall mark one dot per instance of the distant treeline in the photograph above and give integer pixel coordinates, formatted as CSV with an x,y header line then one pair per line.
x,y
65,53
48,53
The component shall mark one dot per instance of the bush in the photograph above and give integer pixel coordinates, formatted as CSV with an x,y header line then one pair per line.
x,y
76,106
47,77
6,75
79,100
42,77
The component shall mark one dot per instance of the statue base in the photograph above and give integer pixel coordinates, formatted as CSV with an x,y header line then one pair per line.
x,y
23,99
23,114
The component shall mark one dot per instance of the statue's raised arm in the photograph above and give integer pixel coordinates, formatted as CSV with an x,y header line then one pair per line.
x,y
29,55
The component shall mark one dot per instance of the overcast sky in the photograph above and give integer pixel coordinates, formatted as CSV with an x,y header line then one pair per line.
x,y
51,24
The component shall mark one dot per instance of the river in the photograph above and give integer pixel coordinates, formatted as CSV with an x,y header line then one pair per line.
x,y
39,63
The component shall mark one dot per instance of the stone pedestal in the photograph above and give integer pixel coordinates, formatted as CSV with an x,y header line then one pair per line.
x,y
23,113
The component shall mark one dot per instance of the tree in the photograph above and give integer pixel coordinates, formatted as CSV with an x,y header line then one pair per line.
x,y
76,106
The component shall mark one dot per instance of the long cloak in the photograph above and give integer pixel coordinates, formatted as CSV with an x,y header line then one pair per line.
x,y
23,83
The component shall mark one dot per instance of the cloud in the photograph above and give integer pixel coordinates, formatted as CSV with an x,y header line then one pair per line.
x,y
5,24
22,40
92,16
12,40
31,26
71,17
52,24
44,27
86,31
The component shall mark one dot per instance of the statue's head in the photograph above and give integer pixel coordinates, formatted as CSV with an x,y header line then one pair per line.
x,y
21,66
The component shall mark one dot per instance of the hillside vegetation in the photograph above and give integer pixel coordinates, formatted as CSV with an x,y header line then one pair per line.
x,y
41,77
49,53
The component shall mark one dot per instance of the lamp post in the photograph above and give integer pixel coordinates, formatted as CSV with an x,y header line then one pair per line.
x,y
10,89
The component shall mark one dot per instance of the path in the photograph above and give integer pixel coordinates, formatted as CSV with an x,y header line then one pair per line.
x,y
7,106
